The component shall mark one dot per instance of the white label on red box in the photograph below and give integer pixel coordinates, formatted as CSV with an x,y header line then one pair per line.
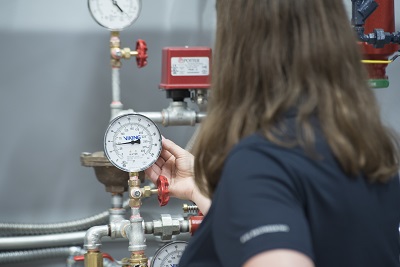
x,y
190,66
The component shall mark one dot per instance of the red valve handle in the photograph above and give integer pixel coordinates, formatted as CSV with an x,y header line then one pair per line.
x,y
141,49
163,192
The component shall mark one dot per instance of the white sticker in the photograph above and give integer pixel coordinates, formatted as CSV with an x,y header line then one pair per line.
x,y
190,66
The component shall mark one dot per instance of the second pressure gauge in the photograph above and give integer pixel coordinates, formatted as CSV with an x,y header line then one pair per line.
x,y
132,142
115,14
169,255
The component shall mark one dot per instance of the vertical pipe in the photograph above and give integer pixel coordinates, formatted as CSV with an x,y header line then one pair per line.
x,y
135,232
381,18
116,105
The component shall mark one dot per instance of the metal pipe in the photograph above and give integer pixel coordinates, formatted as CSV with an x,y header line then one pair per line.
x,y
117,211
93,236
56,240
19,229
117,229
116,201
176,116
135,231
116,105
8,229
157,117
39,254
135,234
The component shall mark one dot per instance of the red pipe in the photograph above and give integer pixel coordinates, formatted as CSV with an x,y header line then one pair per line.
x,y
194,222
381,18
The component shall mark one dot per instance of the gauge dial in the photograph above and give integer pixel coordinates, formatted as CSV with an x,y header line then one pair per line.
x,y
132,142
115,14
169,255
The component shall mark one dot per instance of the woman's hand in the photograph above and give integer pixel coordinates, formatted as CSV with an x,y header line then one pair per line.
x,y
176,164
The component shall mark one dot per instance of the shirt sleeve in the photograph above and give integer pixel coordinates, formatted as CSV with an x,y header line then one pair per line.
x,y
257,209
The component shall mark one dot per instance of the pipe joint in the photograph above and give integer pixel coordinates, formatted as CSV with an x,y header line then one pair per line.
x,y
166,227
117,229
135,234
178,113
93,237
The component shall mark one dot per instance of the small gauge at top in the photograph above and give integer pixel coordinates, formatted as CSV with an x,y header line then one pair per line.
x,y
115,14
132,142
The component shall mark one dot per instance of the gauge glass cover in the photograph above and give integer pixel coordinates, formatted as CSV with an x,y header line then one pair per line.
x,y
115,14
132,142
169,255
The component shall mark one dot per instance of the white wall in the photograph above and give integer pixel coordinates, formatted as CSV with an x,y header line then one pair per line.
x,y
55,91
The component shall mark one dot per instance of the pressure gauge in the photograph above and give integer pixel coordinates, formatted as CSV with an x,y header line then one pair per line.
x,y
132,142
169,255
115,14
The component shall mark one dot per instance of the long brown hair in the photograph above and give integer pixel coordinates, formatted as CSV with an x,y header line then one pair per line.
x,y
273,55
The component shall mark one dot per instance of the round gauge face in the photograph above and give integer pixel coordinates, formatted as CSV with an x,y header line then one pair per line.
x,y
115,14
132,142
169,255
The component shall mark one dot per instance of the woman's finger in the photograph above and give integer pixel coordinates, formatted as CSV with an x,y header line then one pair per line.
x,y
152,174
159,162
173,148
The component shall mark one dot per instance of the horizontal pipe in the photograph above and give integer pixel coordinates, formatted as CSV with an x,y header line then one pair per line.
x,y
46,241
38,254
20,229
200,117
12,229
157,117
56,240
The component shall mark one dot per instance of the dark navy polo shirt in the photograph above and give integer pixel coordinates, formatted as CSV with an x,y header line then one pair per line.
x,y
272,197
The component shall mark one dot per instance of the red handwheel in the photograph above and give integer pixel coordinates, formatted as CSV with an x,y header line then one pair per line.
x,y
163,192
141,49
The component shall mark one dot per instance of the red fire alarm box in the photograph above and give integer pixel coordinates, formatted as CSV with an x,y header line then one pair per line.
x,y
186,68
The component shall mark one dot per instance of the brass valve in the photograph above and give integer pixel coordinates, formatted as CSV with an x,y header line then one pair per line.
x,y
127,53
118,53
93,259
138,260
147,191
135,194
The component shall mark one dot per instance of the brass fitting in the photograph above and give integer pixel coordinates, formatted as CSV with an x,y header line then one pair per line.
x,y
115,41
127,53
190,208
134,203
147,191
134,183
135,194
93,259
138,259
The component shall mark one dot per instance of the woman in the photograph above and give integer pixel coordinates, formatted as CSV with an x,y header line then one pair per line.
x,y
293,154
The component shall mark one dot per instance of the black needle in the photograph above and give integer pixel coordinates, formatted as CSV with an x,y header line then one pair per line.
x,y
131,142
116,4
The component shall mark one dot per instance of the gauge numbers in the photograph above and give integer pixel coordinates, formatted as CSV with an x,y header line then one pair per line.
x,y
132,142
114,14
169,255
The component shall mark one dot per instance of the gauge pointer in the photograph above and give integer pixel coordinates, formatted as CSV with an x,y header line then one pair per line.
x,y
131,142
116,4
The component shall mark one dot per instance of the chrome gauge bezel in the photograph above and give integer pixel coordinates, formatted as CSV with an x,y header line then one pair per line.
x,y
125,136
101,18
160,258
